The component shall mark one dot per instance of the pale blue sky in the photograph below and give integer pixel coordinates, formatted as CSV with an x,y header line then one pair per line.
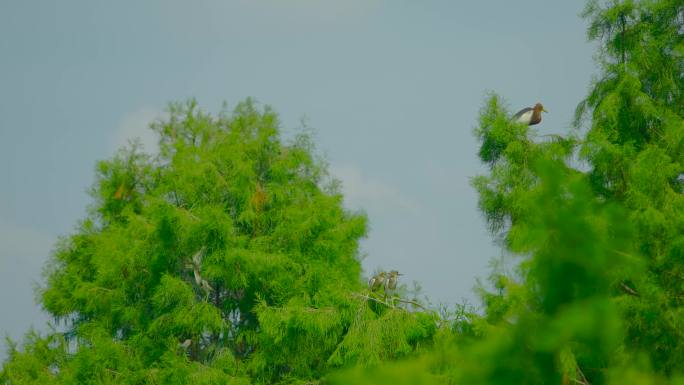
x,y
392,87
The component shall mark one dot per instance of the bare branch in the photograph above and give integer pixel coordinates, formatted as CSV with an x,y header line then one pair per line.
x,y
392,299
628,289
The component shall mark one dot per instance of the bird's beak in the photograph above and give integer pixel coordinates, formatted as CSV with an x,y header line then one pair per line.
x,y
544,109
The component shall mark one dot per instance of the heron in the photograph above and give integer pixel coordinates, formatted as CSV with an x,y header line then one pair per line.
x,y
196,266
185,344
377,281
529,115
391,281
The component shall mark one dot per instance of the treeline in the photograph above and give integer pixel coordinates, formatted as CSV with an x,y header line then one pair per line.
x,y
229,257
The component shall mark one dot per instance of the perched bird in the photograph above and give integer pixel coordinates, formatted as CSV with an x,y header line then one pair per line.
x,y
391,281
377,281
196,266
529,115
186,344
186,348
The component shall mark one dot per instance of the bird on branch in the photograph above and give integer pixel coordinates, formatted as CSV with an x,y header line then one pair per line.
x,y
391,281
196,266
185,344
377,281
529,115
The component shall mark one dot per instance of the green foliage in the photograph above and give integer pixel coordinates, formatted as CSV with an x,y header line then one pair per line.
x,y
228,258
375,338
609,284
635,146
633,150
596,297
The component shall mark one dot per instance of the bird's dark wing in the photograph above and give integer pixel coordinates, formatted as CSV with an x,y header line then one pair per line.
x,y
521,112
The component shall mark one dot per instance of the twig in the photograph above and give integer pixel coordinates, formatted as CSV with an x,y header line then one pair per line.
x,y
411,302
628,289
584,379
113,371
622,253
393,299
372,299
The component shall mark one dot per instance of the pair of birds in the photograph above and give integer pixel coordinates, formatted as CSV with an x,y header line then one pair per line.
x,y
529,115
386,280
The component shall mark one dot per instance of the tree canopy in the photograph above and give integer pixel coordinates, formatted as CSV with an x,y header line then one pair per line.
x,y
226,258
594,220
229,257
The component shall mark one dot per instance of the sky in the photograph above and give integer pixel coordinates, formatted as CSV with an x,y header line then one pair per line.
x,y
392,89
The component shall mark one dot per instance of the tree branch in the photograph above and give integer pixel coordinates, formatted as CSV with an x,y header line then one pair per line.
x,y
628,289
393,299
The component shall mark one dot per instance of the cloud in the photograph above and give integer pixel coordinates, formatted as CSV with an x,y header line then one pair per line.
x,y
362,192
136,125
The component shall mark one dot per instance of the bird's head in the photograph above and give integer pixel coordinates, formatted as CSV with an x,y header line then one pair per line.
x,y
539,108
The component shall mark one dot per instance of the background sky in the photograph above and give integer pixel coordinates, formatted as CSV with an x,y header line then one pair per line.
x,y
392,89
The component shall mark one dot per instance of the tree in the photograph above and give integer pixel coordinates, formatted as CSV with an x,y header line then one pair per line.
x,y
635,146
633,150
597,295
228,258
552,322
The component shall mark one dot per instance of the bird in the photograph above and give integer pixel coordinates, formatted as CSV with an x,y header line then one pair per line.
x,y
196,266
185,344
391,281
529,115
377,281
